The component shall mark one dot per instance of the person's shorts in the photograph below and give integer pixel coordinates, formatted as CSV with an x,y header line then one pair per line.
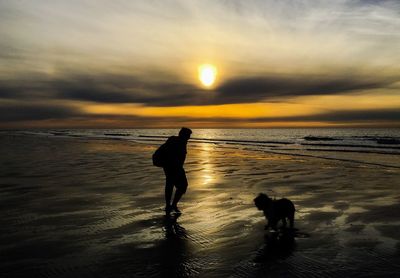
x,y
177,177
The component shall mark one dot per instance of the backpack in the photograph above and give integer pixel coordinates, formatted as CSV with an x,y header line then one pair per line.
x,y
159,156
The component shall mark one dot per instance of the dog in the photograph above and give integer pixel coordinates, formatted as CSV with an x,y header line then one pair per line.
x,y
275,210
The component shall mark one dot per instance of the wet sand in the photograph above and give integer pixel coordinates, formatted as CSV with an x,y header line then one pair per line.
x,y
94,208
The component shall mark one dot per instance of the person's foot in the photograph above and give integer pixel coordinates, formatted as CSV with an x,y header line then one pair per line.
x,y
175,208
168,209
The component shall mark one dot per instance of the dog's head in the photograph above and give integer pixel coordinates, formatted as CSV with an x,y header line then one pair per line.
x,y
262,201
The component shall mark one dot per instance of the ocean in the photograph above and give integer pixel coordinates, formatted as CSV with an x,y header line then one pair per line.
x,y
90,203
374,146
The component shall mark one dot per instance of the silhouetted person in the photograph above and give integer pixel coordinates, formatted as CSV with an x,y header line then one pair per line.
x,y
174,158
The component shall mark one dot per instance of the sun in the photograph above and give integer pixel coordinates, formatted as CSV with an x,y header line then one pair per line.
x,y
207,74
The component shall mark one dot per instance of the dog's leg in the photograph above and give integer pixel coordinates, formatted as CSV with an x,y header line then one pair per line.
x,y
268,224
268,220
284,222
291,220
274,223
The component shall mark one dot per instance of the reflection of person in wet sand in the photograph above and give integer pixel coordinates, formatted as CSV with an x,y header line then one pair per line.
x,y
172,228
174,250
172,155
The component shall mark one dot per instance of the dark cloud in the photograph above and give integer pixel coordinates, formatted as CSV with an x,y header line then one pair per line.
x,y
169,91
128,89
106,88
133,89
32,87
280,87
32,112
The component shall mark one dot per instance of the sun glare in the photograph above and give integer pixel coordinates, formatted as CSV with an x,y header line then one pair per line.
x,y
207,74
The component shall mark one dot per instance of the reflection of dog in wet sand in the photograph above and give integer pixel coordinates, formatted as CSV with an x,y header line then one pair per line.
x,y
275,210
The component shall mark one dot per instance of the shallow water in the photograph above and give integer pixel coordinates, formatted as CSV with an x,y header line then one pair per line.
x,y
74,207
364,145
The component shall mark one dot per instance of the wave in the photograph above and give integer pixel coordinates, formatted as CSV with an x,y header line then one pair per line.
x,y
354,151
351,146
336,159
116,134
378,140
341,145
315,138
377,149
388,141
362,148
223,140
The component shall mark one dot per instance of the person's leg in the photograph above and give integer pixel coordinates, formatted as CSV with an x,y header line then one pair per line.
x,y
181,186
168,194
169,186
178,195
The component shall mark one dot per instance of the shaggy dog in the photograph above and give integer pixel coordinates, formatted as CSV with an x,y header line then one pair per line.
x,y
275,210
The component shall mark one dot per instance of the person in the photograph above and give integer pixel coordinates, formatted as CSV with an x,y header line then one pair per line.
x,y
175,155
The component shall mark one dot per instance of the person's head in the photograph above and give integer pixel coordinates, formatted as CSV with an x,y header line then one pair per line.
x,y
185,133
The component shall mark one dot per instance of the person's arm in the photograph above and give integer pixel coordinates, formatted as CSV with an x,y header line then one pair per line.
x,y
181,155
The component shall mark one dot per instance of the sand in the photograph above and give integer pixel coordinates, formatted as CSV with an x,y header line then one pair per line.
x,y
72,207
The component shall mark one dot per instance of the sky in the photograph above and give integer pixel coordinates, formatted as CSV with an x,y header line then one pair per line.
x,y
134,64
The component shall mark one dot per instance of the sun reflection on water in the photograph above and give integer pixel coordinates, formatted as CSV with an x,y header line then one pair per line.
x,y
207,173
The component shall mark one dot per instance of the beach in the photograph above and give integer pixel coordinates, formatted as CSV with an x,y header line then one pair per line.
x,y
77,207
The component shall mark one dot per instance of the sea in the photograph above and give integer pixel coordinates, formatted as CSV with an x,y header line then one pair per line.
x,y
368,146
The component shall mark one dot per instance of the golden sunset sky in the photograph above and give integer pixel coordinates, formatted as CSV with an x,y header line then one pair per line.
x,y
135,63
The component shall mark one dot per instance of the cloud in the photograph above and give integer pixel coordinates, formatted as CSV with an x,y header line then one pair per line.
x,y
127,89
245,37
32,112
300,33
162,90
102,88
260,88
56,114
340,116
